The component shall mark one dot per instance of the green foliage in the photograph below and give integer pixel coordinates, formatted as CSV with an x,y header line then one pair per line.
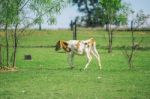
x,y
9,10
115,11
46,8
15,11
140,19
101,12
92,12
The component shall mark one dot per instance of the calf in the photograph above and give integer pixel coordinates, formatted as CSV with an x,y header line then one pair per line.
x,y
79,47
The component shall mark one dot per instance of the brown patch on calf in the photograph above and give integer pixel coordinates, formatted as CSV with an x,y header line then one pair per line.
x,y
64,45
92,41
78,44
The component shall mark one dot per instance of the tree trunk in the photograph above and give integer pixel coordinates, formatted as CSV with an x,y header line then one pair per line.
x,y
109,38
15,46
7,45
0,55
132,47
130,58
40,26
88,13
107,26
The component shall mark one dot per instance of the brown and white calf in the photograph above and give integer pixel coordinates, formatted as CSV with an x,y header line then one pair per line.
x,y
79,47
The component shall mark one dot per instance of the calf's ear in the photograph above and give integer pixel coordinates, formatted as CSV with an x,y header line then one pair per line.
x,y
65,43
65,46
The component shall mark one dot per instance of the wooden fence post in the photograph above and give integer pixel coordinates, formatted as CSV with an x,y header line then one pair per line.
x,y
73,26
75,30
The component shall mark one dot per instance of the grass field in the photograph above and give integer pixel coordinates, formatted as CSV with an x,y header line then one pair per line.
x,y
47,75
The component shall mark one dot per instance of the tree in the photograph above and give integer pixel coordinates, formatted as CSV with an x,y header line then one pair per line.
x,y
13,15
92,12
115,12
41,6
9,15
136,23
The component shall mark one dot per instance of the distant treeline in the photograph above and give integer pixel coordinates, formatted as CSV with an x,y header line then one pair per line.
x,y
98,28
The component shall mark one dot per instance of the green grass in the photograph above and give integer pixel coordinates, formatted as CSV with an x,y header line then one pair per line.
x,y
47,75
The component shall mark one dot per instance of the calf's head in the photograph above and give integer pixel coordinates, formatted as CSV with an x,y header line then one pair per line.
x,y
58,46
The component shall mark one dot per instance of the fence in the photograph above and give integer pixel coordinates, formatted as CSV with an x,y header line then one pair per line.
x,y
20,46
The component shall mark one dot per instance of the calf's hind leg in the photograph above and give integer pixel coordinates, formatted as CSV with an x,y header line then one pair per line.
x,y
89,58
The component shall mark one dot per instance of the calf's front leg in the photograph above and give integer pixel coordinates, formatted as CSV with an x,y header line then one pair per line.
x,y
70,59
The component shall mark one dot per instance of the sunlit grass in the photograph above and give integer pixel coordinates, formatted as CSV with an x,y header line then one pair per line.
x,y
47,75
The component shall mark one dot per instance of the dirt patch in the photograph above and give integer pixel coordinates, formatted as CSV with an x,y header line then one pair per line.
x,y
8,69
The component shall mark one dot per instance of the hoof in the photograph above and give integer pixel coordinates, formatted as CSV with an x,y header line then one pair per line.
x,y
85,69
